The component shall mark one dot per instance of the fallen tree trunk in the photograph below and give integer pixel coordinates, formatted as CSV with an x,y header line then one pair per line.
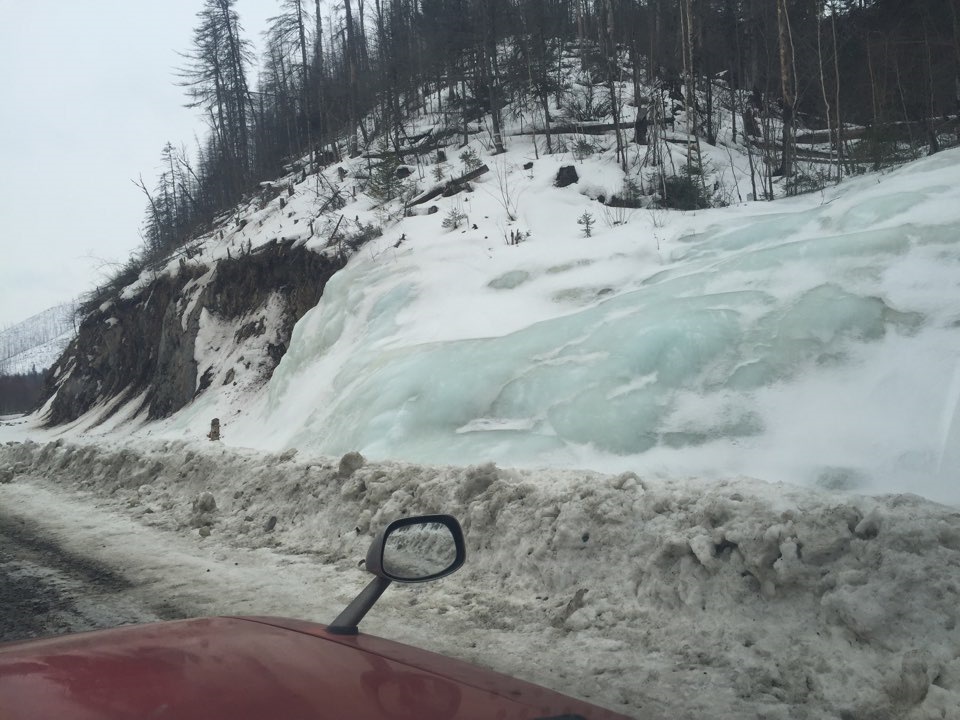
x,y
900,130
579,129
451,187
428,142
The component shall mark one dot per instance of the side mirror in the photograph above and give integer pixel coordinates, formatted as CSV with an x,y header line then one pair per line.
x,y
409,550
418,549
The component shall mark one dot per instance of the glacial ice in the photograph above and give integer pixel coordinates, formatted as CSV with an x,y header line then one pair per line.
x,y
813,344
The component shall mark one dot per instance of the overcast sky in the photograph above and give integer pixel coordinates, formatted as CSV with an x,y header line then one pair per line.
x,y
88,102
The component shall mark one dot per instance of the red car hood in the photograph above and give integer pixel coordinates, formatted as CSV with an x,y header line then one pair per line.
x,y
256,668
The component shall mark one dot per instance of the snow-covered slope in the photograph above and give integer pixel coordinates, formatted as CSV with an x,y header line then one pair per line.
x,y
35,343
811,340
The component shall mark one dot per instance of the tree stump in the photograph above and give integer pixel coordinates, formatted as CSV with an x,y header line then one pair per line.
x,y
567,175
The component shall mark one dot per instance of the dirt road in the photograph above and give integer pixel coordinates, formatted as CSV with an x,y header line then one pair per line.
x,y
45,589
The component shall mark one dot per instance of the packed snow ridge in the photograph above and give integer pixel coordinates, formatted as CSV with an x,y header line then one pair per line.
x,y
660,598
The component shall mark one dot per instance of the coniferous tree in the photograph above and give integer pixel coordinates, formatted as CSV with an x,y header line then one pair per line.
x,y
331,73
215,78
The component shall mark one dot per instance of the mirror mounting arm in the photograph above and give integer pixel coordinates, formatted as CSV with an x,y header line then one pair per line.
x,y
346,622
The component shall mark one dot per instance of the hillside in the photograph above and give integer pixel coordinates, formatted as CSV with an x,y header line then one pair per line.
x,y
37,342
766,339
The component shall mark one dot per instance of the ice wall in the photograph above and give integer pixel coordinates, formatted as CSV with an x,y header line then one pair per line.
x,y
813,340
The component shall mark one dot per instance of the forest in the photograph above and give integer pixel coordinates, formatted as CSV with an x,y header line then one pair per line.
x,y
20,393
27,349
339,79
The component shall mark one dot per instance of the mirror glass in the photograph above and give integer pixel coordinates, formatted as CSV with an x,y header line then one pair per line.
x,y
419,551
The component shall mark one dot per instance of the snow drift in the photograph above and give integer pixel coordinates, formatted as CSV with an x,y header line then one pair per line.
x,y
660,598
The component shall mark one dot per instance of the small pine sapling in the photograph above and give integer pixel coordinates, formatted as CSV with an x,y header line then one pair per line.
x,y
583,149
470,159
384,184
630,193
587,221
454,218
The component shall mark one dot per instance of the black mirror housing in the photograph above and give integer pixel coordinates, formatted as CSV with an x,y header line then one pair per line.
x,y
380,547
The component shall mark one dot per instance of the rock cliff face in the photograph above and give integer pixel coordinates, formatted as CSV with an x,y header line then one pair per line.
x,y
148,345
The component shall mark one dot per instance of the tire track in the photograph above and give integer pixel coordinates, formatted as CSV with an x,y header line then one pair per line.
x,y
45,589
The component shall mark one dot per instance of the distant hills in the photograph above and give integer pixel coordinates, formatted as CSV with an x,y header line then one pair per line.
x,y
35,344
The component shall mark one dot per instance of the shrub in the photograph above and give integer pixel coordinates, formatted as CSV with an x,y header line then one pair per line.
x,y
470,159
515,237
629,196
585,104
614,215
801,183
384,184
587,221
362,234
122,275
684,192
582,148
879,148
454,218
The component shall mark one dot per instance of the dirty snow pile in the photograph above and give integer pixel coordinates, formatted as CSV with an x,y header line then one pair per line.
x,y
660,598
813,340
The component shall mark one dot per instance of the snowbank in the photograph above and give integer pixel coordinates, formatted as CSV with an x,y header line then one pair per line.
x,y
680,598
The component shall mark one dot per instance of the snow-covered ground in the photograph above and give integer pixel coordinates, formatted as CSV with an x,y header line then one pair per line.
x,y
675,598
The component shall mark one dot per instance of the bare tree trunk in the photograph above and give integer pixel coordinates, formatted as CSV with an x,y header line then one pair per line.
x,y
818,9
463,98
495,101
610,51
873,86
240,92
533,86
326,126
488,63
351,80
932,141
786,84
694,165
542,90
955,17
307,91
735,84
836,73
